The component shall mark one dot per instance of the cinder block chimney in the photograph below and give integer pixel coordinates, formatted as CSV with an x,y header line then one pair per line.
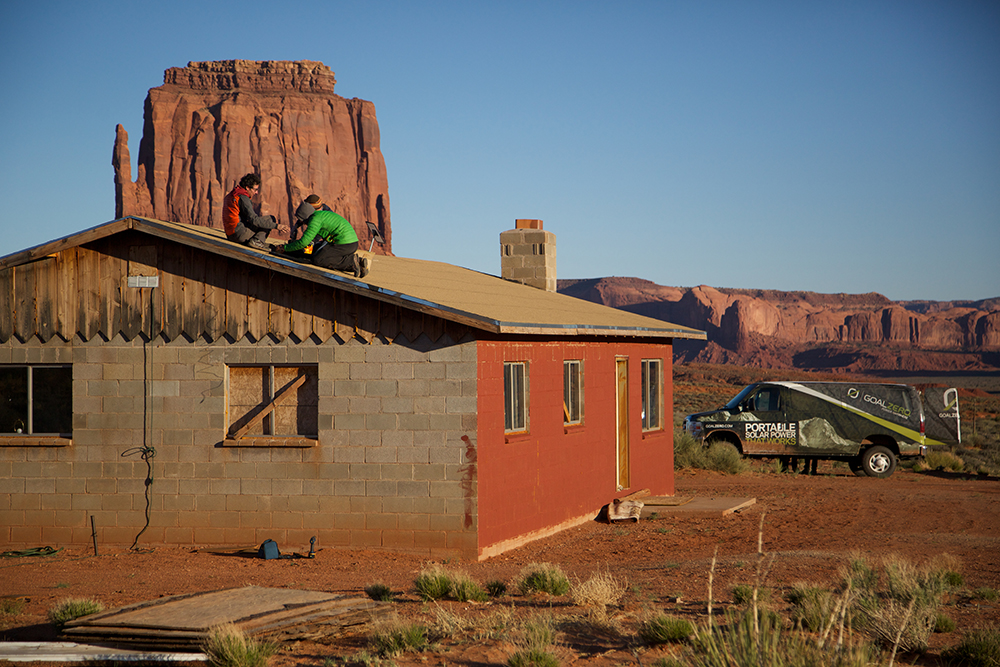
x,y
528,255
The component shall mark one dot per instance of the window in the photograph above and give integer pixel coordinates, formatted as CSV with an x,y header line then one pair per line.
x,y
36,400
515,396
572,391
652,394
273,401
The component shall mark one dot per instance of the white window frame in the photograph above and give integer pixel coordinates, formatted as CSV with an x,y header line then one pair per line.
x,y
572,392
652,394
515,396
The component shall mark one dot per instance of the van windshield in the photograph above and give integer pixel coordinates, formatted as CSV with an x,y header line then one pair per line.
x,y
735,402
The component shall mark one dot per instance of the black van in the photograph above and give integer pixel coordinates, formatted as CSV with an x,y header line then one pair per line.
x,y
868,425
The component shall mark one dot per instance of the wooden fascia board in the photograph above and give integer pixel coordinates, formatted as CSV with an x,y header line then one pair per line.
x,y
616,332
71,241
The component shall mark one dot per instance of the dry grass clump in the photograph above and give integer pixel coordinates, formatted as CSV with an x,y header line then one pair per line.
x,y
379,592
600,590
664,629
228,646
978,648
433,583
465,589
393,637
941,459
71,609
535,643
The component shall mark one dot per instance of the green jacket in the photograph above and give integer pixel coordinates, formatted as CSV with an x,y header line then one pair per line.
x,y
325,225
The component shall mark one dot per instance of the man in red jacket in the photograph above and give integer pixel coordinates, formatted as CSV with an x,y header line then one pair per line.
x,y
241,222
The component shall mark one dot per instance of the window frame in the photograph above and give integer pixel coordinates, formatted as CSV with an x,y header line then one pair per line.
x,y
265,419
29,431
515,405
652,421
573,396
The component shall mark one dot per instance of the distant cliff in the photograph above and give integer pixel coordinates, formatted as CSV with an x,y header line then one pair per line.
x,y
212,122
855,332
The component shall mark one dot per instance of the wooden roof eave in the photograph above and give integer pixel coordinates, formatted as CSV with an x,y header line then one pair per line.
x,y
585,330
54,247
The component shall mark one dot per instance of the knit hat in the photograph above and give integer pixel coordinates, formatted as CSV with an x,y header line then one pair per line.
x,y
304,211
314,201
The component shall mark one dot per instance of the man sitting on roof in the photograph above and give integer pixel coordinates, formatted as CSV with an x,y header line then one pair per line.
x,y
241,222
333,239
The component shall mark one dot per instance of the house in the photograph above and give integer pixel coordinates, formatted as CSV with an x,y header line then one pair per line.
x,y
161,385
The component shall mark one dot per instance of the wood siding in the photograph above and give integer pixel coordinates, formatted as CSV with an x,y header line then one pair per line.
x,y
83,291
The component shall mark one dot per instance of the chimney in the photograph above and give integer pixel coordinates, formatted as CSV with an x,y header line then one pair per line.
x,y
528,255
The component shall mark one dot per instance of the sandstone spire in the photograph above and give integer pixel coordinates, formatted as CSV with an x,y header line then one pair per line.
x,y
212,122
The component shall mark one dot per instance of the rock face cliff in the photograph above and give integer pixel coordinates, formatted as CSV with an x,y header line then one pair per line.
x,y
212,122
856,332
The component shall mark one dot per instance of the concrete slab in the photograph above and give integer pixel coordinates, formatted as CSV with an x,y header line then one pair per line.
x,y
73,652
713,506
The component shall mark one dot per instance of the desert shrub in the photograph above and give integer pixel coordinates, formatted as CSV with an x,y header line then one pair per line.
x,y
985,593
943,623
534,643
11,606
740,642
466,590
228,646
663,629
433,583
600,590
742,594
71,609
394,638
688,452
940,459
812,606
496,588
379,592
723,457
543,578
977,648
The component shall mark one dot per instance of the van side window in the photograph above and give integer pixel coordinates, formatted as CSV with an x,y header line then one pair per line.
x,y
766,400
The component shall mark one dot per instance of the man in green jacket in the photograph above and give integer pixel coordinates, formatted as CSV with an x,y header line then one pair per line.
x,y
333,240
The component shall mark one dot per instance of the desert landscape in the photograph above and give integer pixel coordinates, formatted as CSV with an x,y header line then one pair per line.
x,y
810,527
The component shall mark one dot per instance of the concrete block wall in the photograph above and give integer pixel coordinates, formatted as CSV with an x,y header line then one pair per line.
x,y
393,467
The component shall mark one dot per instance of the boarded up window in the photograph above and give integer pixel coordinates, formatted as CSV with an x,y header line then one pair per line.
x,y
274,400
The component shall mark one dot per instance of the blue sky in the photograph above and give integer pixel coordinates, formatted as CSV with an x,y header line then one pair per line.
x,y
831,147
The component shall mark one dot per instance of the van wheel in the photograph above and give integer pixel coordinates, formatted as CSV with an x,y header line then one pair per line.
x,y
857,467
878,461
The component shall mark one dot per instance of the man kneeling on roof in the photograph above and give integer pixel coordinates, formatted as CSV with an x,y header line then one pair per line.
x,y
333,240
241,222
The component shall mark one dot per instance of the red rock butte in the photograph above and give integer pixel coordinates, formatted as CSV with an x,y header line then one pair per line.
x,y
212,122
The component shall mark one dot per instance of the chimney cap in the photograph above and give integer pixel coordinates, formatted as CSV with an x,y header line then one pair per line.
x,y
527,224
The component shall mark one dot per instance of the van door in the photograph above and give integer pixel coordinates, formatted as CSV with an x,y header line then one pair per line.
x,y
765,429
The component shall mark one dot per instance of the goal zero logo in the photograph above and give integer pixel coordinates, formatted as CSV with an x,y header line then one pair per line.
x,y
852,393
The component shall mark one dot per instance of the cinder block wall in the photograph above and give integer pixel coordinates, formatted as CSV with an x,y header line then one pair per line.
x,y
394,466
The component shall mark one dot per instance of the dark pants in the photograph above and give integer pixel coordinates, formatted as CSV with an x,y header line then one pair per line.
x,y
244,234
336,257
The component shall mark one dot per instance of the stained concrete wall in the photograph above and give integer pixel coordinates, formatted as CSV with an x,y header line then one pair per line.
x,y
393,465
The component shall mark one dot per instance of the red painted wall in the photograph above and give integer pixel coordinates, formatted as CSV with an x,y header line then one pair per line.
x,y
553,473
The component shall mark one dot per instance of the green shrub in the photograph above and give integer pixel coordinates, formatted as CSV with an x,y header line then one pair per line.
x,y
11,606
812,606
496,588
73,608
532,658
940,459
466,590
395,638
978,648
943,623
663,629
543,578
724,457
228,646
433,583
742,594
379,592
688,452
985,593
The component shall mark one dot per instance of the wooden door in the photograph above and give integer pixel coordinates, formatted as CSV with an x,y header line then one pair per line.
x,y
621,374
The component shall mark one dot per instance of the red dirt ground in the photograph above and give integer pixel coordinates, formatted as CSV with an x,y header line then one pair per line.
x,y
810,523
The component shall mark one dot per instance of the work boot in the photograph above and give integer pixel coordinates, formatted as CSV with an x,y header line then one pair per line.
x,y
357,266
255,242
365,266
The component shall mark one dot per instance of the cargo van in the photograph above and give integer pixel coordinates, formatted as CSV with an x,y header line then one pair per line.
x,y
869,426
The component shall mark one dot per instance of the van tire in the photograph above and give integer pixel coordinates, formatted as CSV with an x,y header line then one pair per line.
x,y
857,467
878,461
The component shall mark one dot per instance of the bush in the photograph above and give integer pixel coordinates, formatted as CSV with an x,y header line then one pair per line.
x,y
943,623
663,629
600,590
712,455
537,636
688,452
543,578
496,588
379,592
466,590
11,606
228,646
940,459
73,608
433,584
812,606
395,638
742,594
985,593
978,648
